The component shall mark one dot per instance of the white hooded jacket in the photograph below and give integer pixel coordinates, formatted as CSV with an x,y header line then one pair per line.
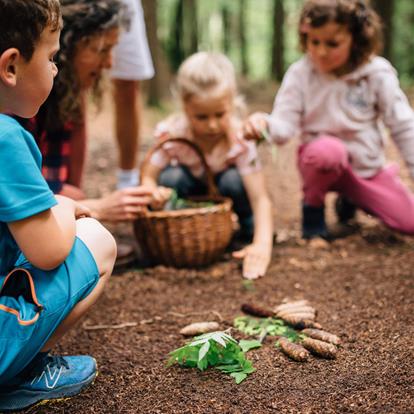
x,y
352,107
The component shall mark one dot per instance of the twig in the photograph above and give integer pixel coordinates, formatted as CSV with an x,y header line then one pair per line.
x,y
98,327
184,315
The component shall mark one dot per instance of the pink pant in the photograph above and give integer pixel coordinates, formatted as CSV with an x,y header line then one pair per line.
x,y
324,166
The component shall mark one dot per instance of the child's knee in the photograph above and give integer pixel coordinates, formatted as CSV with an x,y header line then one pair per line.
x,y
326,154
230,183
173,177
100,242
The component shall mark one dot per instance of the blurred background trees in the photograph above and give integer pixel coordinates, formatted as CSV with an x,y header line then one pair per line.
x,y
259,36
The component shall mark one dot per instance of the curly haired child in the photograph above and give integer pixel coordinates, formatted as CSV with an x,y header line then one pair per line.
x,y
336,98
54,259
206,84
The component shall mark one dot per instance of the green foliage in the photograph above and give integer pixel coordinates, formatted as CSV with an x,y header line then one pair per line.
x,y
177,203
215,349
257,326
248,284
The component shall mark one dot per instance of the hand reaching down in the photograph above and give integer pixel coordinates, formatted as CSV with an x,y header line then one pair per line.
x,y
256,259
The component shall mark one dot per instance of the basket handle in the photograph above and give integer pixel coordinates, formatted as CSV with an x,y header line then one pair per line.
x,y
211,186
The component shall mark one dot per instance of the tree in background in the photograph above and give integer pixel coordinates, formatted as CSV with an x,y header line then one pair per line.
x,y
385,9
278,63
243,38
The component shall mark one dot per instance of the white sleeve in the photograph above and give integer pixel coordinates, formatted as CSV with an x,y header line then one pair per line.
x,y
285,119
397,115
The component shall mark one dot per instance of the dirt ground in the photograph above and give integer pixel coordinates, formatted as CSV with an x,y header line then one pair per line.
x,y
362,287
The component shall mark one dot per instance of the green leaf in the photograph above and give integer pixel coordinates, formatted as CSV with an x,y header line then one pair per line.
x,y
239,376
247,345
203,351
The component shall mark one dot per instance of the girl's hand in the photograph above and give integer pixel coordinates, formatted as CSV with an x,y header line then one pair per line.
x,y
256,259
159,197
254,126
122,205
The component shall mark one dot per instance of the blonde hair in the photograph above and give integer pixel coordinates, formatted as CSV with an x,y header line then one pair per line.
x,y
208,73
204,73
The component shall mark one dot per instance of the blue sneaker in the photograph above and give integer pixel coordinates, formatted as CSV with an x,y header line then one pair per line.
x,y
48,377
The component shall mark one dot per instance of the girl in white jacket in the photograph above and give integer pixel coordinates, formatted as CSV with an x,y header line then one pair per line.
x,y
337,99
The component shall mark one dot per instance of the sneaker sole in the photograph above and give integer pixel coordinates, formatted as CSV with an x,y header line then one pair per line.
x,y
19,400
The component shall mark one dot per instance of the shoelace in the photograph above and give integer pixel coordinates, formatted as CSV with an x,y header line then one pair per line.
x,y
37,367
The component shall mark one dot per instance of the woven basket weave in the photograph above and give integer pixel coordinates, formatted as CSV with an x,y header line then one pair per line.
x,y
190,237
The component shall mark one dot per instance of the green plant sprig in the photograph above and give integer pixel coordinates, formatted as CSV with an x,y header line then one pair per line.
x,y
177,203
216,349
274,327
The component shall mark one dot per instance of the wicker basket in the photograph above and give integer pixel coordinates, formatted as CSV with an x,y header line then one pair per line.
x,y
190,237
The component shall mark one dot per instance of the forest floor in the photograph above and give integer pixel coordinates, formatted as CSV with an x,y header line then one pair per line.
x,y
362,287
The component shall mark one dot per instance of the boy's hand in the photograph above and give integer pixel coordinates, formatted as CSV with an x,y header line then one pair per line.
x,y
256,259
254,126
81,211
78,209
160,196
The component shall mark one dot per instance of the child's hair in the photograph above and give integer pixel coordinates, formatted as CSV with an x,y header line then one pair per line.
x,y
209,73
204,73
361,20
22,22
82,19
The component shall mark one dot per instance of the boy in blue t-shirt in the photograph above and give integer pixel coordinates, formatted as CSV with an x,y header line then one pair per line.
x,y
54,259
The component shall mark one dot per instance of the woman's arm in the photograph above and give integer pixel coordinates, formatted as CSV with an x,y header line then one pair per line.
x,y
257,255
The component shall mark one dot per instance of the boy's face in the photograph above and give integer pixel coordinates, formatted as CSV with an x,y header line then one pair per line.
x,y
34,78
93,56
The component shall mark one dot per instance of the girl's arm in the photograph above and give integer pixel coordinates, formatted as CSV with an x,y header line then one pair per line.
x,y
397,115
150,175
257,255
46,239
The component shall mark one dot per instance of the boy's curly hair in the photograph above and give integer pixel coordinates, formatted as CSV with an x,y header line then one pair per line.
x,y
357,15
23,21
82,19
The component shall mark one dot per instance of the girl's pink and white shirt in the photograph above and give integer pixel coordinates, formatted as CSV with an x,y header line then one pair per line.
x,y
242,154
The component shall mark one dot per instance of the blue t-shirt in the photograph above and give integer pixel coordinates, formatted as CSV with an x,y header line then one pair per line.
x,y
23,190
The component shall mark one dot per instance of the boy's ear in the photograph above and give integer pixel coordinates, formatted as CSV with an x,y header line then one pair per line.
x,y
8,66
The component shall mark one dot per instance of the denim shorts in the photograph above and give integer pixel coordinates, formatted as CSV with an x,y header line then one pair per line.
x,y
34,302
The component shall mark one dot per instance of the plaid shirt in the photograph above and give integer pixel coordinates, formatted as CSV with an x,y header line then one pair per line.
x,y
55,148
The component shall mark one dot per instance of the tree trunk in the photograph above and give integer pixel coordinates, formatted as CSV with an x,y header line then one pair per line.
x,y
243,38
225,17
385,8
176,49
157,84
277,65
190,7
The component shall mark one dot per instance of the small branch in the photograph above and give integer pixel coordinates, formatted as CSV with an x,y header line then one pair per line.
x,y
184,315
98,327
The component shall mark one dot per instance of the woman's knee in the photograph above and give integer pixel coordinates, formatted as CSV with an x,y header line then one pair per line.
x,y
100,242
326,153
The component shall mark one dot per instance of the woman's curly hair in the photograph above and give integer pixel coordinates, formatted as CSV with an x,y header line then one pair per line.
x,y
82,19
357,15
